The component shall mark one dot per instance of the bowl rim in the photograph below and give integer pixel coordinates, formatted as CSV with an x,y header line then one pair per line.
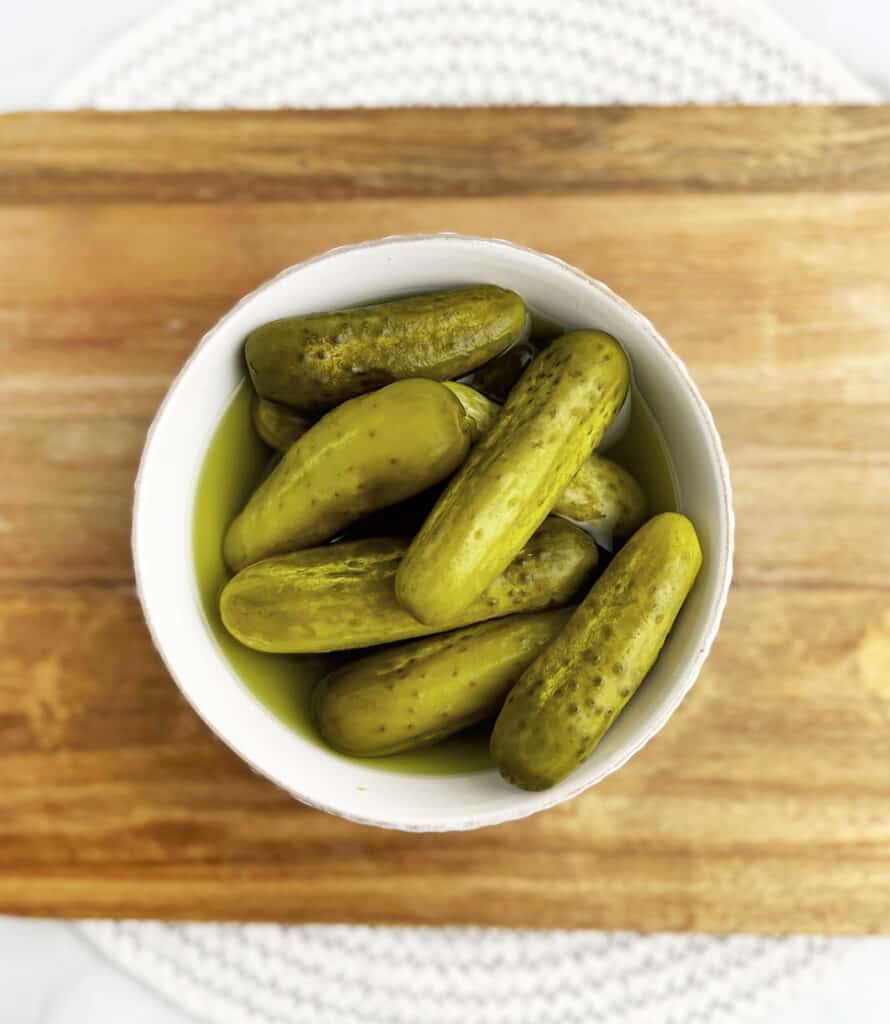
x,y
546,799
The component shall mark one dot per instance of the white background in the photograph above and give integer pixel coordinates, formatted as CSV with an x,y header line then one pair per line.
x,y
48,973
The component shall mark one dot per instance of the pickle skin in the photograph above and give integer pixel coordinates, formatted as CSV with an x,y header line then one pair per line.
x,y
562,705
481,412
278,425
418,693
317,361
601,494
554,418
342,596
605,496
370,452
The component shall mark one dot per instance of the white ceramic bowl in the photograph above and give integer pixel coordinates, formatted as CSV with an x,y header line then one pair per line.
x,y
165,492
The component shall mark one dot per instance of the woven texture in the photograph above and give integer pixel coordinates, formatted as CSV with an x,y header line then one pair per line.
x,y
270,53
349,53
266,974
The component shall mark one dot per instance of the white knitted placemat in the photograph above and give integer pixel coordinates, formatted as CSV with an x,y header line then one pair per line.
x,y
269,974
334,53
367,53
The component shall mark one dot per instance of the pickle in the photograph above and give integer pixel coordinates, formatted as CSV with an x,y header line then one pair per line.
x,y
552,421
481,412
370,452
601,494
342,596
278,425
317,361
605,496
566,700
417,693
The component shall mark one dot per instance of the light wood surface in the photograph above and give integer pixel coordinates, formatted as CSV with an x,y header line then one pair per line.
x,y
759,243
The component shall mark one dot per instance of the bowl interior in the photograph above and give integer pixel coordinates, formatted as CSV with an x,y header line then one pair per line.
x,y
205,666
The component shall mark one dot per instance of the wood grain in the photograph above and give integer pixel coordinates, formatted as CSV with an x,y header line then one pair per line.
x,y
762,806
255,156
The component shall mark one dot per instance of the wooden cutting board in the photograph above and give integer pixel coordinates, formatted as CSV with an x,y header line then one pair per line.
x,y
758,241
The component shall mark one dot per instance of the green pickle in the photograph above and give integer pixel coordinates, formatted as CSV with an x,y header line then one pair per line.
x,y
370,452
566,700
418,693
342,596
278,425
602,494
317,361
481,411
553,419
605,496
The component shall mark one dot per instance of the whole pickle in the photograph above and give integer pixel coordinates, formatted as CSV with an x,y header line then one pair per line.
x,y
370,452
552,421
417,693
342,596
601,494
566,700
278,425
604,495
317,361
481,411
